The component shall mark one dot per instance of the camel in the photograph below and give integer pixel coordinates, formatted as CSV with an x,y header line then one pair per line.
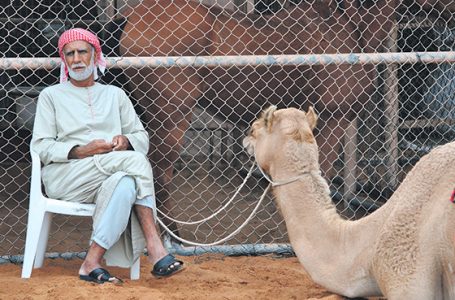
x,y
403,250
168,96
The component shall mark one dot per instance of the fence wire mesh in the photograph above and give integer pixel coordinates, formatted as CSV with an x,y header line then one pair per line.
x,y
376,119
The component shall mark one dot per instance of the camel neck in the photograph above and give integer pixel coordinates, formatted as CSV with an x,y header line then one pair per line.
x,y
316,230
287,180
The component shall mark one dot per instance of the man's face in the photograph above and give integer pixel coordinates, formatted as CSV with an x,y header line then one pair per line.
x,y
79,59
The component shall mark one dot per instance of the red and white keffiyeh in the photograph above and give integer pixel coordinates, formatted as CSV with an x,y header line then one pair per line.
x,y
79,34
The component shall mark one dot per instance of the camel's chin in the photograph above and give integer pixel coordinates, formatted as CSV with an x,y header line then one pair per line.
x,y
248,145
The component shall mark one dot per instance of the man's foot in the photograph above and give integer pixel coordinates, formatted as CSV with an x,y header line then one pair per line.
x,y
100,276
167,266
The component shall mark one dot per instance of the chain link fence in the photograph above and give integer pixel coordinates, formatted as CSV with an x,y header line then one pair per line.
x,y
377,117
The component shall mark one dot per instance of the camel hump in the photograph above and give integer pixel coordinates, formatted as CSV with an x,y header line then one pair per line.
x,y
437,161
446,152
167,28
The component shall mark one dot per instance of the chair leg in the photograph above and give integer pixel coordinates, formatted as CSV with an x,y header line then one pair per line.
x,y
43,238
135,270
34,224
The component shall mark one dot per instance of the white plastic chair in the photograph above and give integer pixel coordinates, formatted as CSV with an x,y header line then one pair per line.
x,y
41,211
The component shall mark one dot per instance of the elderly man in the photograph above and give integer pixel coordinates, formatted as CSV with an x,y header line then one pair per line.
x,y
93,147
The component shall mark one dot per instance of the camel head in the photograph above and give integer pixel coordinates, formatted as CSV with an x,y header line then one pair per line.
x,y
283,138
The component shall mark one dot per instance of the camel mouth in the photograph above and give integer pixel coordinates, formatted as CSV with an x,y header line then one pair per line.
x,y
248,145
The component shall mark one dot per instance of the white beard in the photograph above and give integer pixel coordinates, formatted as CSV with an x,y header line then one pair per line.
x,y
85,74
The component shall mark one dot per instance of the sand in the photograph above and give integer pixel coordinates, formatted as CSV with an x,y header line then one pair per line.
x,y
207,276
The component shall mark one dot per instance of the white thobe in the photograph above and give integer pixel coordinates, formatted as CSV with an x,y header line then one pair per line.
x,y
68,116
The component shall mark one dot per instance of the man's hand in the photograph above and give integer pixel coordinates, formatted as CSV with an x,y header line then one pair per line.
x,y
120,142
92,148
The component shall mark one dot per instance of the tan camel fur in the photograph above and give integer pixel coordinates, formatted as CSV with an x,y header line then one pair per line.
x,y
404,250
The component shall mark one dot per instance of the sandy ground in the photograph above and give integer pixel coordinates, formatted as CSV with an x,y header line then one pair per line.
x,y
205,277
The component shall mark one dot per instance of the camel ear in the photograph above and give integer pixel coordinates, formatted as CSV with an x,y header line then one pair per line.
x,y
267,115
312,117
